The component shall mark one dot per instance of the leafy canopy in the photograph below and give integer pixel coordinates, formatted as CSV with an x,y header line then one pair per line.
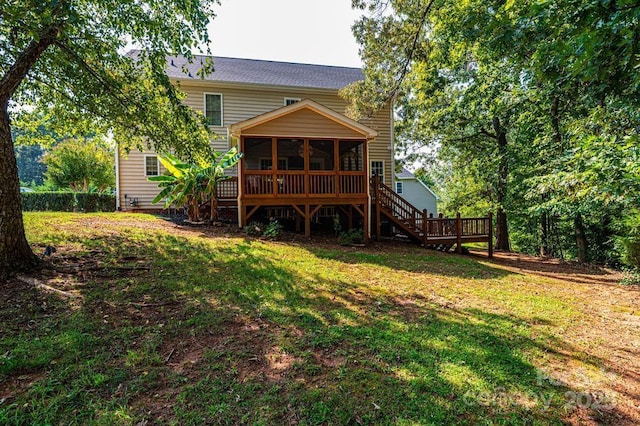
x,y
88,84
81,165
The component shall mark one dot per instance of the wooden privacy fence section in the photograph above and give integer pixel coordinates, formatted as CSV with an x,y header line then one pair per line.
x,y
427,230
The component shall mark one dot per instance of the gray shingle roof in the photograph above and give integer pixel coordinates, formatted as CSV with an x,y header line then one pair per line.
x,y
253,71
405,174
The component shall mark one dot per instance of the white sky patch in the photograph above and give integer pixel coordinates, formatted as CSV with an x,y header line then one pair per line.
x,y
303,31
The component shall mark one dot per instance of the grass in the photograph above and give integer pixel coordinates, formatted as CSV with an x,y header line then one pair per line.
x,y
181,327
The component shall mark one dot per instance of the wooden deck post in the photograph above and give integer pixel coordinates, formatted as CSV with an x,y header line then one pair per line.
x,y
307,221
458,234
490,243
365,222
376,191
424,227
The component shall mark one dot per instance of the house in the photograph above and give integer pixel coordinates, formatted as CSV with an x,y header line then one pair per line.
x,y
304,159
416,192
302,153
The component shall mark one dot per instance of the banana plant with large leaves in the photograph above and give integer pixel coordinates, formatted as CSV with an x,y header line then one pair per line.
x,y
191,184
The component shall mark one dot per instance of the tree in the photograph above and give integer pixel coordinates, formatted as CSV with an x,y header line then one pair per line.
x,y
450,90
80,165
31,169
190,185
536,101
65,57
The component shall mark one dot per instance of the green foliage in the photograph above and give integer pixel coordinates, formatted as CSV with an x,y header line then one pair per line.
x,y
254,229
88,84
350,237
68,202
629,240
31,169
189,184
542,75
273,229
80,165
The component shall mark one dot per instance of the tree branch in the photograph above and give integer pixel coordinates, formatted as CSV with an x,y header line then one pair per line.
x,y
414,45
487,133
25,61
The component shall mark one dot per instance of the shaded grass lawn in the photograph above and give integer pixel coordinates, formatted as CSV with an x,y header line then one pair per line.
x,y
177,326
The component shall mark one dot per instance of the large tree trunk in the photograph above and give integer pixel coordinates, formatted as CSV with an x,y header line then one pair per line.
x,y
502,227
15,253
581,239
544,235
502,231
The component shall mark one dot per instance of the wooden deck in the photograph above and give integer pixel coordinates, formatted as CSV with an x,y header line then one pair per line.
x,y
265,188
421,227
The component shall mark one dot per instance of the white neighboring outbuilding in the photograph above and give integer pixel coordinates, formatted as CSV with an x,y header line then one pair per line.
x,y
417,193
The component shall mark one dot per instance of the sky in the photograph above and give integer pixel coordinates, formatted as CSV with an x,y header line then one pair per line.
x,y
304,31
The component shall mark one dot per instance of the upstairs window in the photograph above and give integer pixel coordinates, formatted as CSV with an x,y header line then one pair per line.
x,y
377,168
399,188
289,101
151,167
213,109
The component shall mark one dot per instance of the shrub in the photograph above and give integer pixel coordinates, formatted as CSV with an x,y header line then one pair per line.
x,y
68,202
273,229
254,229
259,229
353,236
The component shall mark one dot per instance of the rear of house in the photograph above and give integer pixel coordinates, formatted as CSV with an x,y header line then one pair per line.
x,y
303,157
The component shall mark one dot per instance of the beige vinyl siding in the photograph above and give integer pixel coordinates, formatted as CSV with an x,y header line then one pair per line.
x,y
240,104
380,147
134,183
302,123
244,103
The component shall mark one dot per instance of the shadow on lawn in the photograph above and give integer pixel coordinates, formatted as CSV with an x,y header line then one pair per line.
x,y
241,333
418,260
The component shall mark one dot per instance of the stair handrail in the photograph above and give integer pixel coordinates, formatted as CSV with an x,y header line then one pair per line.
x,y
399,206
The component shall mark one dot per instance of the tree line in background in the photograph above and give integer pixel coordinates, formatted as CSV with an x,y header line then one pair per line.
x,y
528,108
51,163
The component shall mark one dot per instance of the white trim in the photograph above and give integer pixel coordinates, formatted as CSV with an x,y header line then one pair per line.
x,y
204,107
144,164
368,133
291,99
371,168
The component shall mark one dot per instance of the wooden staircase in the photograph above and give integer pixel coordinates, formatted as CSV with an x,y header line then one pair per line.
x,y
439,233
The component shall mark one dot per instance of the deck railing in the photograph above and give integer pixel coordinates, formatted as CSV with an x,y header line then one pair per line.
x,y
227,190
266,184
426,228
